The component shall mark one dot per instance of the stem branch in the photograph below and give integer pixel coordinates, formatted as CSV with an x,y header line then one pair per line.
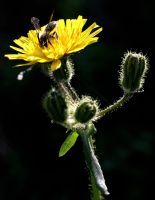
x,y
114,106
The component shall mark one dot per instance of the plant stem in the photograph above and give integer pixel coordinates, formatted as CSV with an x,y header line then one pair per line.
x,y
114,106
71,91
96,194
65,91
97,179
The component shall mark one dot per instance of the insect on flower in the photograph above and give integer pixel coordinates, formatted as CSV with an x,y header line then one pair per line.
x,y
46,34
54,41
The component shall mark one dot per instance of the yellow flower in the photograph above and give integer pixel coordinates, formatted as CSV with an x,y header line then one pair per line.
x,y
70,38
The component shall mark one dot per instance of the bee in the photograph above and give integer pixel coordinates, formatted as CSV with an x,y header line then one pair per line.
x,y
45,35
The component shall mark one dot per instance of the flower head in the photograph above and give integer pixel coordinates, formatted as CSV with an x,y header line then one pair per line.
x,y
70,37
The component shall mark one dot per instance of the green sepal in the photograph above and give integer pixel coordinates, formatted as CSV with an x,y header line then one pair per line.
x,y
68,143
65,72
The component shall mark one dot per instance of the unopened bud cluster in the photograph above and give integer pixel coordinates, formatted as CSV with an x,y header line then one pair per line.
x,y
64,106
133,70
60,109
59,103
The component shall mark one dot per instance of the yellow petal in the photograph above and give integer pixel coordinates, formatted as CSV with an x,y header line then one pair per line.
x,y
17,49
96,32
25,64
56,65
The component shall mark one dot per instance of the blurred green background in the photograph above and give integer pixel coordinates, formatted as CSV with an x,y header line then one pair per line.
x,y
29,165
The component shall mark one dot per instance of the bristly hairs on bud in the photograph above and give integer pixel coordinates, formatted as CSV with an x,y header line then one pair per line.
x,y
55,105
143,75
83,104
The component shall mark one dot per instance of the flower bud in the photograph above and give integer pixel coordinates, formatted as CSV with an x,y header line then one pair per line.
x,y
85,111
55,105
134,67
65,72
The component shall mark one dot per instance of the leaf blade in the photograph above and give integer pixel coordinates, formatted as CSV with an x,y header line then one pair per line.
x,y
68,143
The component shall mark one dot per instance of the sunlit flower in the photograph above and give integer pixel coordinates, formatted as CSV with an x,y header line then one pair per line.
x,y
70,38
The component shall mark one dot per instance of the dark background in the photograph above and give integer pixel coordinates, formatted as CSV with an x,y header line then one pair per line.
x,y
29,165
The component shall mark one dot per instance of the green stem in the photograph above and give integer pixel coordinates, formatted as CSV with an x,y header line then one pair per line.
x,y
114,106
71,91
97,179
65,91
96,194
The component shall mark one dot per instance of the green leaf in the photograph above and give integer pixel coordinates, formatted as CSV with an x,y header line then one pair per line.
x,y
68,143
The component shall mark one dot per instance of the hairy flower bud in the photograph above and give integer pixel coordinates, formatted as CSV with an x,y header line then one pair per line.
x,y
134,67
86,110
55,105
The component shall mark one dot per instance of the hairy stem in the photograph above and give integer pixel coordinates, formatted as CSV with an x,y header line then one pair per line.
x,y
96,194
97,179
71,91
65,91
114,106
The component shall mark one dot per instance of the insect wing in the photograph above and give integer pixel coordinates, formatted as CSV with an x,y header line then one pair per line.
x,y
35,22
